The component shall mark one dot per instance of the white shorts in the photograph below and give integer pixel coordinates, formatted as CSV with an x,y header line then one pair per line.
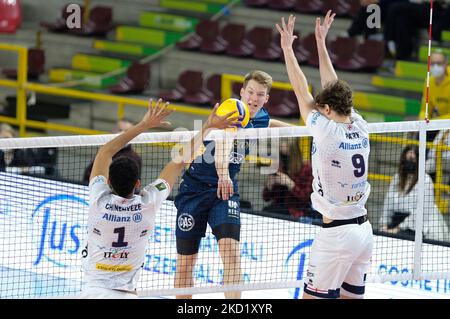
x,y
339,261
104,293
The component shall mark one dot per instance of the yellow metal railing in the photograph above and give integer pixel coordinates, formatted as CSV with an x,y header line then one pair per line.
x,y
439,187
19,85
22,86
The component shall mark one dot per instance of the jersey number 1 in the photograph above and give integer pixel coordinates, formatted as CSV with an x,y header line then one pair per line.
x,y
120,242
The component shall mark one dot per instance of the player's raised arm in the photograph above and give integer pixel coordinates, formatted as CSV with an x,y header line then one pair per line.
x,y
327,73
174,168
153,118
225,187
296,75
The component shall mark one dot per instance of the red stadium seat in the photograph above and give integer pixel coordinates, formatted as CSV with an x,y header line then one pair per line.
x,y
212,41
195,93
346,8
99,23
266,47
36,65
136,80
373,53
293,98
10,15
192,43
344,50
60,25
347,54
300,51
256,3
309,6
281,105
189,89
309,46
236,89
281,4
176,94
214,85
238,45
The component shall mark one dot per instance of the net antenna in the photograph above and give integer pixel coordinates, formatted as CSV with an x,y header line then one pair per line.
x,y
430,33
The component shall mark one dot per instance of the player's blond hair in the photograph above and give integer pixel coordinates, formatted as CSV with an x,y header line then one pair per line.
x,y
260,77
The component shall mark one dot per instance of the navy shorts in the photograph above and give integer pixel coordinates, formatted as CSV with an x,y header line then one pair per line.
x,y
197,204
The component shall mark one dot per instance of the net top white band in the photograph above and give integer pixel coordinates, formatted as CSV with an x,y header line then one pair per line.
x,y
184,136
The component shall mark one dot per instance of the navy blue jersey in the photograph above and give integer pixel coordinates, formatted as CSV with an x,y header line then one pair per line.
x,y
203,167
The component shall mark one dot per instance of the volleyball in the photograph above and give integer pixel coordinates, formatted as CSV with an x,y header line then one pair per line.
x,y
231,105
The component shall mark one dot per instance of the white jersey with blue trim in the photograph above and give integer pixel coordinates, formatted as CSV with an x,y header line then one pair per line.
x,y
118,233
340,157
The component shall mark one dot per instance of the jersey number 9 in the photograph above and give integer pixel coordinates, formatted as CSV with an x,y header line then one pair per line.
x,y
358,163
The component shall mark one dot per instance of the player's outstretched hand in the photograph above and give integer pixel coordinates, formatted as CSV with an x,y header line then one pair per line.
x,y
322,30
222,122
155,116
286,31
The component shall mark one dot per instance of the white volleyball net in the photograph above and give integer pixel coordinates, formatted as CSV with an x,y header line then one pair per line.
x,y
44,210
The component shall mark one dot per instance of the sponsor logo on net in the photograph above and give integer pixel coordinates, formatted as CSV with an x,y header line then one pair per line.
x,y
298,256
57,233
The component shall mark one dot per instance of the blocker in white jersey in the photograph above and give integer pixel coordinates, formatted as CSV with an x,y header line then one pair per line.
x,y
118,233
340,256
341,252
121,222
340,157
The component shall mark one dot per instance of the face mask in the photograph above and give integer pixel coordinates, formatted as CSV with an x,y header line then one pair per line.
x,y
437,70
409,167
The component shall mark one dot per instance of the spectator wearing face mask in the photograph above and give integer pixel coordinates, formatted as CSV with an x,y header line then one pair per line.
x,y
439,95
400,203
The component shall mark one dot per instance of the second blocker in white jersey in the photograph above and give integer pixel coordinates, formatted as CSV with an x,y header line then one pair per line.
x,y
118,233
340,158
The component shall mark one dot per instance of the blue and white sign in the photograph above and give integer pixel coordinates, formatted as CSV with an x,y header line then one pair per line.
x,y
43,226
